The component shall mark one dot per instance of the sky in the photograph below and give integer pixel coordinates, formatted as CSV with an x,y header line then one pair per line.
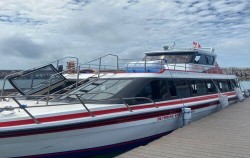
x,y
33,32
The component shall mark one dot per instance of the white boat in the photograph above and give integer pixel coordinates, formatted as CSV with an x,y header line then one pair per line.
x,y
73,114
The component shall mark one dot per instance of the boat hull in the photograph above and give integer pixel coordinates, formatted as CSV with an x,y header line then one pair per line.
x,y
98,140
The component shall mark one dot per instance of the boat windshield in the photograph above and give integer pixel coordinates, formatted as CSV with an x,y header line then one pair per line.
x,y
36,80
101,89
170,58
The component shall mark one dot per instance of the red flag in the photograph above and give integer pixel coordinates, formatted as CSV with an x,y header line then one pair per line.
x,y
196,45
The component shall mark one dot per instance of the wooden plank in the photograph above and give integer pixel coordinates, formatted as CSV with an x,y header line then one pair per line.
x,y
225,134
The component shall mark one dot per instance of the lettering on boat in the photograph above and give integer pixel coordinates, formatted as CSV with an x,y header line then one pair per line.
x,y
160,118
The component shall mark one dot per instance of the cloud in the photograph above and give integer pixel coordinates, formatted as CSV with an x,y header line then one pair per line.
x,y
21,46
47,30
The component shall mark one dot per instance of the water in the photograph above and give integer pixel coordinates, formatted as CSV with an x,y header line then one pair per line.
x,y
245,84
7,84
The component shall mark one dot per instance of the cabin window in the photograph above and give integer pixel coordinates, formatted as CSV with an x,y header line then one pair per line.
x,y
156,90
164,90
183,88
170,58
210,60
146,92
204,59
232,84
197,59
102,89
223,86
172,89
198,87
211,88
200,59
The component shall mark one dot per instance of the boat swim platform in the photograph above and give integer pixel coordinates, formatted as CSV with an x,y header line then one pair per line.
x,y
224,134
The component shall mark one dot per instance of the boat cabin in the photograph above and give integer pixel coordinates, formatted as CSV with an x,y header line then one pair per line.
x,y
182,57
145,90
196,60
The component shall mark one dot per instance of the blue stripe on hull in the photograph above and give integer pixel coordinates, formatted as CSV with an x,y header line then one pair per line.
x,y
110,149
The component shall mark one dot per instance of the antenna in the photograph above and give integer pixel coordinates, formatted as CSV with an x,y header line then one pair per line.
x,y
169,47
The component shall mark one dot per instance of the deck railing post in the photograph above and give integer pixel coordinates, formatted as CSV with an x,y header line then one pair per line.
x,y
4,81
57,64
99,68
49,88
91,114
78,73
23,107
117,62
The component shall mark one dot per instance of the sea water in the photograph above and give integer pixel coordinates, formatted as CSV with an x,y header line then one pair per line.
x,y
245,84
7,84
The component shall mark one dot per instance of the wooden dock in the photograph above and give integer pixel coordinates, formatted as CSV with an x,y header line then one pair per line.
x,y
225,134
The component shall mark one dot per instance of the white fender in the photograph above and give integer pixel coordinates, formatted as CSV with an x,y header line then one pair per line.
x,y
223,99
187,115
239,94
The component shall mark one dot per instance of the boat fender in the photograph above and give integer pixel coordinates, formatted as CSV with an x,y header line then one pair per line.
x,y
246,93
187,115
223,99
239,94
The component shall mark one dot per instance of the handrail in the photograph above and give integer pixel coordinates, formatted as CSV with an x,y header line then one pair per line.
x,y
20,72
77,96
100,61
201,68
26,111
145,98
78,71
65,88
114,96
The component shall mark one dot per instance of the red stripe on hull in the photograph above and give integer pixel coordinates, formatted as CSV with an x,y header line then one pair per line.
x,y
109,111
99,123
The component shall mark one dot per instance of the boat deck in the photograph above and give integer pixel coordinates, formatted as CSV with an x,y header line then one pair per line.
x,y
224,134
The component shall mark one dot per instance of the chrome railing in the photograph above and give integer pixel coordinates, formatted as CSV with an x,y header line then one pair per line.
x,y
77,96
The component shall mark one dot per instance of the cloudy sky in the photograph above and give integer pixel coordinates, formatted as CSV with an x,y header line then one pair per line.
x,y
33,32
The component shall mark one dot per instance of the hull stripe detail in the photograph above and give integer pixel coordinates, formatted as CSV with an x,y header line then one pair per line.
x,y
109,111
99,123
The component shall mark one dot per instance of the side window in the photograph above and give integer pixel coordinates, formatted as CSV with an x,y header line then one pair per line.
x,y
198,87
200,59
155,90
233,84
211,88
197,59
194,88
230,85
223,86
164,94
203,59
159,89
210,60
220,86
172,89
183,88
145,92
